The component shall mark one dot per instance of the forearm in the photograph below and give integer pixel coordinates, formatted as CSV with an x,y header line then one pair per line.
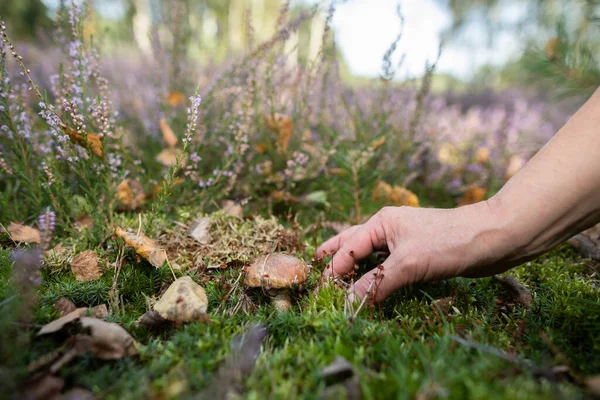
x,y
557,194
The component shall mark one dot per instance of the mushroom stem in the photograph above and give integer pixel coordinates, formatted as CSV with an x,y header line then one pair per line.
x,y
280,300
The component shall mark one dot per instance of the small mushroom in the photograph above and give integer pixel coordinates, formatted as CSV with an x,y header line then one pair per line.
x,y
275,273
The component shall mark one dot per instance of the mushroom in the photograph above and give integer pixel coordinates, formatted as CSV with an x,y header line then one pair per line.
x,y
275,273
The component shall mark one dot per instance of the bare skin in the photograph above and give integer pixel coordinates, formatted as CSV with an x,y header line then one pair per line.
x,y
553,197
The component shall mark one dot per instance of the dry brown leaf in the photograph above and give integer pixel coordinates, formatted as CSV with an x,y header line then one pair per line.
x,y
100,311
152,320
91,141
400,196
200,230
23,233
175,98
281,196
520,293
86,266
130,195
474,194
59,323
109,341
232,208
144,246
168,157
85,222
167,133
377,143
184,301
64,306
282,127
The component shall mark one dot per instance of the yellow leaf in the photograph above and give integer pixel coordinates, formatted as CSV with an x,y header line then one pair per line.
x,y
167,133
400,196
282,127
144,246
24,234
377,143
381,191
474,194
91,141
130,195
175,98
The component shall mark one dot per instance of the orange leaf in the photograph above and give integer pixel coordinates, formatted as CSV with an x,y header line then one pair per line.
x,y
377,143
85,266
144,246
283,128
23,233
168,135
91,141
400,196
175,98
261,148
474,194
130,195
381,191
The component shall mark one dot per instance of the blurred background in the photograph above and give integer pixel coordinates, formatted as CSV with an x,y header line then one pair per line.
x,y
486,42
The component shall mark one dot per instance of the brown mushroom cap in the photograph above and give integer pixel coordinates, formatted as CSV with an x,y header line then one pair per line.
x,y
276,271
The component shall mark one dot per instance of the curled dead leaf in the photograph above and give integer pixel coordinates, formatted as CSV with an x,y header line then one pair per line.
x,y
130,195
64,306
175,98
282,127
59,323
23,233
232,208
86,266
474,194
184,301
144,246
200,230
109,341
167,133
92,141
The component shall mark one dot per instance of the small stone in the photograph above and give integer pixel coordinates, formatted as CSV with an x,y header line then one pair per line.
x,y
184,301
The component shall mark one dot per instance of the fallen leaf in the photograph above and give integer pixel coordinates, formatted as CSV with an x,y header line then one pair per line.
x,y
474,194
23,233
64,306
168,157
91,141
85,222
86,266
59,323
281,196
109,341
153,320
593,384
130,195
521,294
400,196
200,230
167,133
175,98
283,128
100,311
339,370
184,301
232,208
144,246
42,386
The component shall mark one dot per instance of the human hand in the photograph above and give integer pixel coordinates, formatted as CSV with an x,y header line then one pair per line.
x,y
424,245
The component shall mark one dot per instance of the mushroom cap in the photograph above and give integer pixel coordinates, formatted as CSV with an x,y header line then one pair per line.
x,y
184,301
277,271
